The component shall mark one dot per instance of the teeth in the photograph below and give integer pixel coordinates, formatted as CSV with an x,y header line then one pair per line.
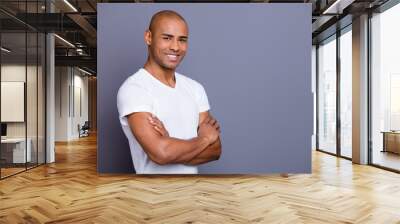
x,y
172,56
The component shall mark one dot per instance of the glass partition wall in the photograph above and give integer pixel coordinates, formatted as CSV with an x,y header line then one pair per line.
x,y
22,88
334,89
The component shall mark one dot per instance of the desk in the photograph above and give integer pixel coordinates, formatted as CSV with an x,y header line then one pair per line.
x,y
391,141
15,148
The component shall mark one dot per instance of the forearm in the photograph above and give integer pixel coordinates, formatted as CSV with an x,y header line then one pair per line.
x,y
212,152
181,151
163,149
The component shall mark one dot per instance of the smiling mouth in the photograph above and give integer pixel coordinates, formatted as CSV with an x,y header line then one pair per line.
x,y
172,57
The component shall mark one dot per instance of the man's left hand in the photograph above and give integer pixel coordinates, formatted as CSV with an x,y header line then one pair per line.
x,y
158,125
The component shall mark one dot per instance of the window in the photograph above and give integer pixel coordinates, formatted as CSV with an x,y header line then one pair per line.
x,y
385,88
327,95
346,92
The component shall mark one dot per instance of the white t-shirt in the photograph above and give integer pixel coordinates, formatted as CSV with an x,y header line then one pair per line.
x,y
178,108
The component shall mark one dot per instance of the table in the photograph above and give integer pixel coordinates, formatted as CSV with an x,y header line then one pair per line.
x,y
15,148
391,141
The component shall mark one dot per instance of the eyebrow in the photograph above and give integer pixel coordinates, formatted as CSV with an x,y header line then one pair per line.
x,y
169,35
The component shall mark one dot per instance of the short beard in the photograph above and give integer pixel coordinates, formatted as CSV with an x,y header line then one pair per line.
x,y
164,66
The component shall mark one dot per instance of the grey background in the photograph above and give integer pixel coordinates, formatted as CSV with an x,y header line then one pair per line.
x,y
254,60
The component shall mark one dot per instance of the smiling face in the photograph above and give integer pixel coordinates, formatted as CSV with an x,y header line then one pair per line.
x,y
167,41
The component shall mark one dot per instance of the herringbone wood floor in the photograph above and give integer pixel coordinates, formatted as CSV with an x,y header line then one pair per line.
x,y
70,191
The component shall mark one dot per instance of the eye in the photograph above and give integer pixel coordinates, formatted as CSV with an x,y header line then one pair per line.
x,y
183,40
166,38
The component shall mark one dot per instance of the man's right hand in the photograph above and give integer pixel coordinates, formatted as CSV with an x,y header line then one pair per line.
x,y
209,129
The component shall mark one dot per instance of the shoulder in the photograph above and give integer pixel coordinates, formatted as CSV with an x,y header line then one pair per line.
x,y
134,84
189,82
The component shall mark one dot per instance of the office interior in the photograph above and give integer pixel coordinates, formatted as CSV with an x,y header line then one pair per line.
x,y
48,81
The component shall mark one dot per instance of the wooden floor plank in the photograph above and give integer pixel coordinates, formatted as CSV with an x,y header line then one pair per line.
x,y
71,191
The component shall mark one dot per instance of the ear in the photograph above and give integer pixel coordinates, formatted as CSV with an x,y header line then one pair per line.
x,y
147,37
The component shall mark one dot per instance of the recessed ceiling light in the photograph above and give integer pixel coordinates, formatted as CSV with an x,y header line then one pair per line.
x,y
70,5
86,72
65,41
5,50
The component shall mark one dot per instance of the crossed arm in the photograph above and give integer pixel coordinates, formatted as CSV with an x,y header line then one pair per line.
x,y
163,149
213,151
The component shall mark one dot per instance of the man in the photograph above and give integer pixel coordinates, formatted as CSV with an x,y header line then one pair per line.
x,y
165,115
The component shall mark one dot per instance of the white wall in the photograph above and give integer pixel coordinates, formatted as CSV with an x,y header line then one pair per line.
x,y
80,110
71,94
61,103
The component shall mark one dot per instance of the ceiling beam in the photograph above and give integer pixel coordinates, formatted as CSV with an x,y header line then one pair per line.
x,y
84,61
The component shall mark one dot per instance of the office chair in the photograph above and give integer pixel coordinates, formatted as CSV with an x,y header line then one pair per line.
x,y
84,130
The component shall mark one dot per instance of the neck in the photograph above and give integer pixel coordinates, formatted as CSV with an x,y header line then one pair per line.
x,y
166,76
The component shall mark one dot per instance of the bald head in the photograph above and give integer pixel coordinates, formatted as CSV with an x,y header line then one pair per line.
x,y
164,14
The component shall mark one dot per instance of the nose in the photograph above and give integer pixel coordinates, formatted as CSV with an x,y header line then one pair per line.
x,y
174,45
